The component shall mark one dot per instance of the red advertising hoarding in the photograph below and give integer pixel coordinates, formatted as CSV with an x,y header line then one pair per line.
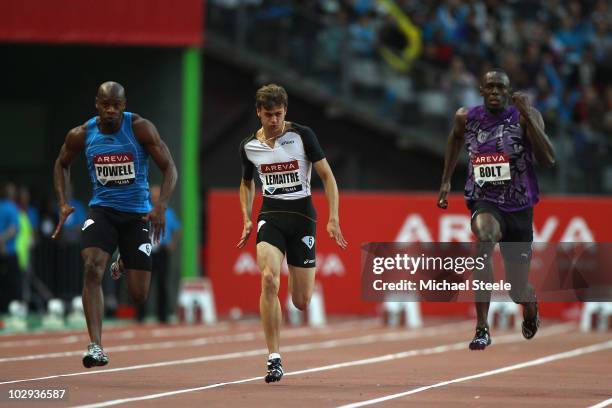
x,y
109,22
376,217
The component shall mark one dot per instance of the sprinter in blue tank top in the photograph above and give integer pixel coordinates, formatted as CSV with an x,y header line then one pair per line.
x,y
503,141
117,147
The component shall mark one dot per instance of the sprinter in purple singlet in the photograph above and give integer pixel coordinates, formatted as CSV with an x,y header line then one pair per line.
x,y
503,141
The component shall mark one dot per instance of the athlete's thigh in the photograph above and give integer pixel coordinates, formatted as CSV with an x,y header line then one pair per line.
x,y
487,222
135,242
99,231
516,248
271,242
301,246
301,282
269,257
516,251
95,256
301,257
138,281
519,226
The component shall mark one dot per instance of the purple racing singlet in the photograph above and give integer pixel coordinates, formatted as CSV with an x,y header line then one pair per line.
x,y
500,168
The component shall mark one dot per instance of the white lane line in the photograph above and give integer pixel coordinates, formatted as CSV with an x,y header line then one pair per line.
x,y
47,334
538,361
129,334
248,336
372,338
253,324
166,394
512,338
140,347
602,404
123,333
189,331
171,331
38,342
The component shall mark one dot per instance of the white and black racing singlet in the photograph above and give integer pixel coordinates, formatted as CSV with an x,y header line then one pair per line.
x,y
285,169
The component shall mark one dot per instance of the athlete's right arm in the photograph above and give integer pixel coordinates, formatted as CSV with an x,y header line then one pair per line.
x,y
247,193
73,145
453,147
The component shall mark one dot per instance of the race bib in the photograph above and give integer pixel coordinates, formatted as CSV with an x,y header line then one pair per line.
x,y
114,169
491,168
281,178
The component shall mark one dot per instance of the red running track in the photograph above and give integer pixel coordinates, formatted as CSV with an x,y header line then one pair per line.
x,y
352,363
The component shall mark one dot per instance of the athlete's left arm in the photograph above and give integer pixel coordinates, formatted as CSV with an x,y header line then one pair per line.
x,y
331,192
149,137
532,120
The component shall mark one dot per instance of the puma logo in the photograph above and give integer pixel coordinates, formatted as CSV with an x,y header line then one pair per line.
x,y
87,223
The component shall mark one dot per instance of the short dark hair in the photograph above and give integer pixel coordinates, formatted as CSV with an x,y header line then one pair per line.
x,y
496,71
270,96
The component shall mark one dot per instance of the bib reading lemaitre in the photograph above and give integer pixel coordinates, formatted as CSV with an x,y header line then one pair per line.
x,y
118,167
500,167
285,169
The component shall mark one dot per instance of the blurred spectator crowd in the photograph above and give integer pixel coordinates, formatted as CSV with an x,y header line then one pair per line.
x,y
416,59
35,268
26,246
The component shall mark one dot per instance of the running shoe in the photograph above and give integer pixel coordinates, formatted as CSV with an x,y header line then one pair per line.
x,y
530,326
275,370
95,356
481,339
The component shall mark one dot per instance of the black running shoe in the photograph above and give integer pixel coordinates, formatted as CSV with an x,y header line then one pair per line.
x,y
481,339
95,356
530,326
275,370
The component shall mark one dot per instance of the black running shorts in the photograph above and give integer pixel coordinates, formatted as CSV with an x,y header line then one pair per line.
x,y
516,226
289,225
107,229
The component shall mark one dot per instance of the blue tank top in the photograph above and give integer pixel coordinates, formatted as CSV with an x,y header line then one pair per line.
x,y
500,169
118,166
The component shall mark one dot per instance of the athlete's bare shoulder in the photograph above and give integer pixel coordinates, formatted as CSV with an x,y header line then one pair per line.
x,y
75,139
80,130
459,122
139,122
144,130
142,127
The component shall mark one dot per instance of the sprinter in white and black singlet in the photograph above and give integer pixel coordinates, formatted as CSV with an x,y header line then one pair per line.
x,y
117,147
283,154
